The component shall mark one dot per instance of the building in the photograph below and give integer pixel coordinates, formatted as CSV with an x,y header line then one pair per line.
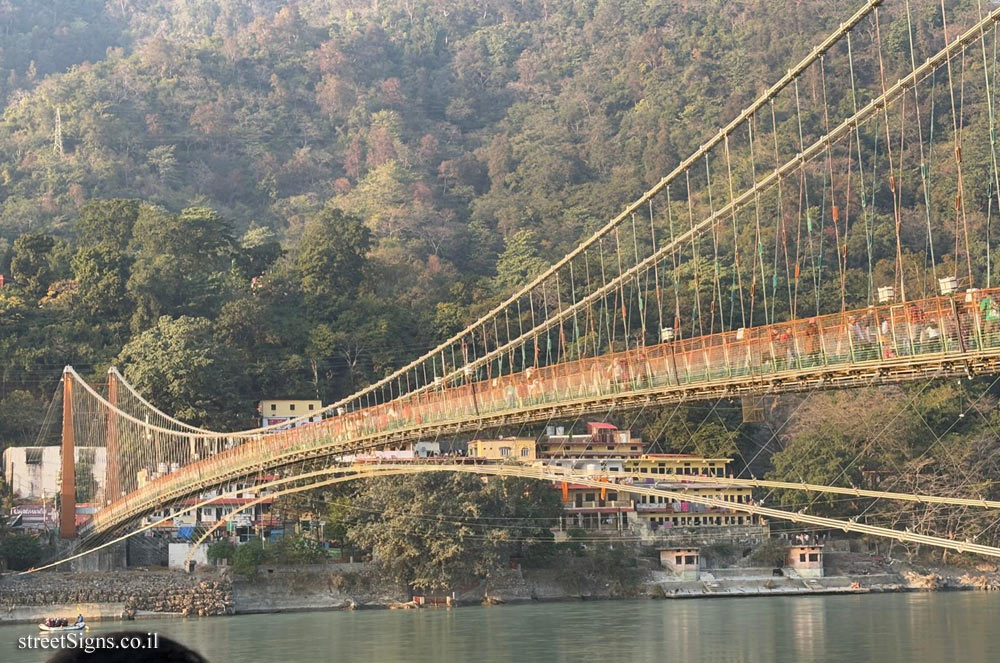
x,y
179,521
35,473
589,508
602,441
426,449
682,562
278,411
505,448
677,464
805,560
658,511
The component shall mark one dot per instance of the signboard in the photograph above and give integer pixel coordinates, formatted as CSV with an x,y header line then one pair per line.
x,y
35,514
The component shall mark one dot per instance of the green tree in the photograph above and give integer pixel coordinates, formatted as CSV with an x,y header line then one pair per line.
x,y
248,557
31,263
21,551
102,273
180,365
331,258
181,265
518,263
219,550
107,222
258,249
21,415
436,531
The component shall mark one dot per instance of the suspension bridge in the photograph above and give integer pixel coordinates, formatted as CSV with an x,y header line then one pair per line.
x,y
733,277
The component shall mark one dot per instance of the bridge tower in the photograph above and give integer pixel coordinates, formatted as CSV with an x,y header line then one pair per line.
x,y
112,490
67,501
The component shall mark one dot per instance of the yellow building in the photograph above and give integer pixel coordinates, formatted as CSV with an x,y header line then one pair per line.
x,y
667,471
677,464
277,411
506,448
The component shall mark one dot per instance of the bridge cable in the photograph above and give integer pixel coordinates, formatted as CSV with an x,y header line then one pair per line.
x,y
957,125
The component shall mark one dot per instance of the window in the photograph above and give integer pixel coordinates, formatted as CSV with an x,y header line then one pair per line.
x,y
589,497
802,557
689,559
525,452
312,406
274,407
33,455
678,560
504,451
612,497
813,557
291,407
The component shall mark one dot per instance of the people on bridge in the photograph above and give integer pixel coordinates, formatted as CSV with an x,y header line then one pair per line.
x,y
990,315
810,340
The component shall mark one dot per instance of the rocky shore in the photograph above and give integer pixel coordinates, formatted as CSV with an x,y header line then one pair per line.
x,y
119,595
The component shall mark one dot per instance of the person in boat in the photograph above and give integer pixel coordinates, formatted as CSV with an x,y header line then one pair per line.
x,y
79,618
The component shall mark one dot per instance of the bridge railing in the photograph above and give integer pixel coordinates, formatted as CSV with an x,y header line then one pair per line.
x,y
956,325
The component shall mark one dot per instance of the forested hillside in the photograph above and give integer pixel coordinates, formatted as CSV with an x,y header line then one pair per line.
x,y
295,197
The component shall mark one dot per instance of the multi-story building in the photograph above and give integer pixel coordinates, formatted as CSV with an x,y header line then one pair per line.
x,y
602,441
676,464
667,471
589,508
278,411
505,448
179,521
34,473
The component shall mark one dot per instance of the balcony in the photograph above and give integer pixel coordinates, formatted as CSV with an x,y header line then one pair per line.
x,y
598,504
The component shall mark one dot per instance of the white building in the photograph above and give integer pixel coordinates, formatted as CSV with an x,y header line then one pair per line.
x,y
36,472
427,449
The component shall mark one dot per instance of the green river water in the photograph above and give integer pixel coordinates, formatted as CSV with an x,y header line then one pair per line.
x,y
886,628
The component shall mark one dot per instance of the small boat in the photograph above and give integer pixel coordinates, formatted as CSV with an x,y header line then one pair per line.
x,y
78,626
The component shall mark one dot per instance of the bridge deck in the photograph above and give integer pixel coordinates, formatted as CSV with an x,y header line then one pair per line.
x,y
948,335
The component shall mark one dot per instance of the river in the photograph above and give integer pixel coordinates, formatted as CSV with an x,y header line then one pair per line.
x,y
887,628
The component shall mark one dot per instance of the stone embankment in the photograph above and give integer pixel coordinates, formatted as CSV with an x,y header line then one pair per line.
x,y
298,589
132,593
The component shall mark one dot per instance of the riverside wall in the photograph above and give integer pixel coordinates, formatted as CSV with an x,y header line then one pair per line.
x,y
113,595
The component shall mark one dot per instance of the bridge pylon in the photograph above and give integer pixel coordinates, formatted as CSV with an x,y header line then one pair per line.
x,y
67,491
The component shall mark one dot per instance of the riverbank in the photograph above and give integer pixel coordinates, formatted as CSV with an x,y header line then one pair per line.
x,y
137,594
146,593
133,594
